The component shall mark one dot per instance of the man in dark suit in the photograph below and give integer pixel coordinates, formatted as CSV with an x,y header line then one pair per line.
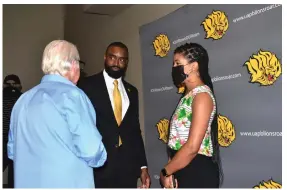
x,y
117,107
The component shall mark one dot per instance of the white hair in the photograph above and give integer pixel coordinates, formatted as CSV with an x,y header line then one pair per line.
x,y
58,57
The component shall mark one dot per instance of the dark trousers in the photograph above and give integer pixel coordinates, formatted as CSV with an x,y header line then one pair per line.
x,y
120,177
201,172
8,163
116,181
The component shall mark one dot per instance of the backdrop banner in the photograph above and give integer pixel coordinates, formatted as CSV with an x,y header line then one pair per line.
x,y
244,43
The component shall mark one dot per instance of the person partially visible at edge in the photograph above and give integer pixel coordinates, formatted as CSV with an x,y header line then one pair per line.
x,y
194,159
117,104
11,92
53,126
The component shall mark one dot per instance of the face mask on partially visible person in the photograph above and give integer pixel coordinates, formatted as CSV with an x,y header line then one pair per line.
x,y
178,75
12,81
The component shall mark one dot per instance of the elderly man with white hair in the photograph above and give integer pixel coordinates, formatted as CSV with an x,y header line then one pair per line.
x,y
53,139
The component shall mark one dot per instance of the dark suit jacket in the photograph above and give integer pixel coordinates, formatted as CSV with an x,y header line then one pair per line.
x,y
132,151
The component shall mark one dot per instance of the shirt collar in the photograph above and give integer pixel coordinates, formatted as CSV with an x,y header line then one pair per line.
x,y
56,78
109,80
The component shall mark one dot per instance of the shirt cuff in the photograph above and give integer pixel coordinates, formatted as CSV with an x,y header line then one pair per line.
x,y
143,167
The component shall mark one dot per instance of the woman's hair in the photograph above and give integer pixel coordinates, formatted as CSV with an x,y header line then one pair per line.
x,y
195,52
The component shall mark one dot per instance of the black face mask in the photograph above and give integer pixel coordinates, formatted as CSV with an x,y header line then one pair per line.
x,y
178,75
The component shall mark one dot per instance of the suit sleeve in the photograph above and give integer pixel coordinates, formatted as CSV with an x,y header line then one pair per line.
x,y
141,148
81,119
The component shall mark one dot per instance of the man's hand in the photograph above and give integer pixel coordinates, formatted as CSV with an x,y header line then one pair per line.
x,y
145,179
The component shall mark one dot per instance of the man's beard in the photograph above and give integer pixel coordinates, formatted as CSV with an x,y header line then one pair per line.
x,y
115,74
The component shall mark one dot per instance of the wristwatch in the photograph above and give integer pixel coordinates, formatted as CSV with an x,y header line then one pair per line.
x,y
164,173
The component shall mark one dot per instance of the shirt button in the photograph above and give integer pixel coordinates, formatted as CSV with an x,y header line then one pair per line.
x,y
117,146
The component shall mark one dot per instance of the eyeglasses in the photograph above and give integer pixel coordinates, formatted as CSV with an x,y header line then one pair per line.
x,y
82,65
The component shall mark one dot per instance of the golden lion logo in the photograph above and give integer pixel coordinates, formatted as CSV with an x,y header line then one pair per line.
x,y
162,128
264,68
215,25
161,45
268,185
226,131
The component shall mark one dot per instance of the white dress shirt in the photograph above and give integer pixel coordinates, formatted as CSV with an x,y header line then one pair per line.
x,y
110,86
125,99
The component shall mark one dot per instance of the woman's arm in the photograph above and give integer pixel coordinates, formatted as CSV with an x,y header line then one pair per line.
x,y
201,110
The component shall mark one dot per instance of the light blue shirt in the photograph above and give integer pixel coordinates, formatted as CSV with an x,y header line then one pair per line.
x,y
53,138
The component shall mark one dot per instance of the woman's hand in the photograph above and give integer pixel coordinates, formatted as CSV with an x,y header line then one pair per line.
x,y
167,182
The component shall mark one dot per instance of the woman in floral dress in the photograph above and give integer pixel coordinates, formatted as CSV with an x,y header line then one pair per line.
x,y
194,158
